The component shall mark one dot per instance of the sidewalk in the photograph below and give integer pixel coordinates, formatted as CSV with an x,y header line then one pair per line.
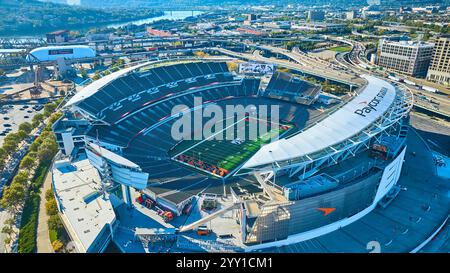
x,y
43,239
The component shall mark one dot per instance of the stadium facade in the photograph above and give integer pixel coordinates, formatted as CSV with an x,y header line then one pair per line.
x,y
334,165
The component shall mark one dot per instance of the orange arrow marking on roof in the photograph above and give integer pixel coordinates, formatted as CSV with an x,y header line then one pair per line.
x,y
326,211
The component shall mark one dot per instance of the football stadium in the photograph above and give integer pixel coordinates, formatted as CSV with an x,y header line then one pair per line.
x,y
309,169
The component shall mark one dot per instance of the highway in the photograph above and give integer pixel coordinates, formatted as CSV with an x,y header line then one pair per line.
x,y
318,72
316,65
432,102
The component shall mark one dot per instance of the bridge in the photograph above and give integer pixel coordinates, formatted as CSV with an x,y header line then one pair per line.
x,y
304,69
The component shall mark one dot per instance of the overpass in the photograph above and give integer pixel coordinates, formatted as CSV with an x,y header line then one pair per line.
x,y
320,73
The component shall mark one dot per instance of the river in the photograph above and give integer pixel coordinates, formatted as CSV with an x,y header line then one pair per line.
x,y
168,15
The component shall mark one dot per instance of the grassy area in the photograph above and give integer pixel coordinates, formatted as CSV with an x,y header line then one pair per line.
x,y
340,49
28,223
219,157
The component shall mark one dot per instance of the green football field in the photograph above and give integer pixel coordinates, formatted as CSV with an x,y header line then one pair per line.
x,y
220,157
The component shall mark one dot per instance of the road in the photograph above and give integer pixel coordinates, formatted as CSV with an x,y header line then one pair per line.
x,y
292,65
13,164
313,65
356,61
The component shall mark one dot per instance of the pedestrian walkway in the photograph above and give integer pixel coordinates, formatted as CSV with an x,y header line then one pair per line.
x,y
43,239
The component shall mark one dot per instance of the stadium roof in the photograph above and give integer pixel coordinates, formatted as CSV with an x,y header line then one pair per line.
x,y
113,157
52,53
349,120
92,88
95,86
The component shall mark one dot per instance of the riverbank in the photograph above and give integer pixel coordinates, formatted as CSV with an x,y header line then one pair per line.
x,y
35,18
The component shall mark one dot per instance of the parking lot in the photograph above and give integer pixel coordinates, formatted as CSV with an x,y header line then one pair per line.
x,y
11,116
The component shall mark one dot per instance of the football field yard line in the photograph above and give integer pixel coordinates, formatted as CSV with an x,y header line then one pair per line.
x,y
224,154
206,139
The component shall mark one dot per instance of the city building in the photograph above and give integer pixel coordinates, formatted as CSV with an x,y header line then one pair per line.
x,y
407,57
318,26
278,25
87,213
53,53
251,17
59,36
249,31
316,15
158,33
439,70
350,15
372,12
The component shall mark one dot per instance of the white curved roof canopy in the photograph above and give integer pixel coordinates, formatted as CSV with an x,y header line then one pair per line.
x,y
52,53
349,120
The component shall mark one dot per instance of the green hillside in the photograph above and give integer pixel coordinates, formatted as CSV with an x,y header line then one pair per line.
x,y
29,17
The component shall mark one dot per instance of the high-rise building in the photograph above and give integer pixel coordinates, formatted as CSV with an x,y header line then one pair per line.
x,y
350,15
316,15
251,17
407,57
439,70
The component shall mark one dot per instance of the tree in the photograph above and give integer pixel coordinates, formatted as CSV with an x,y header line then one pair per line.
x,y
54,223
49,108
22,135
49,195
9,146
12,197
14,137
8,229
96,76
28,162
2,153
35,145
3,156
37,119
26,127
232,66
47,150
57,245
54,117
21,177
51,207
